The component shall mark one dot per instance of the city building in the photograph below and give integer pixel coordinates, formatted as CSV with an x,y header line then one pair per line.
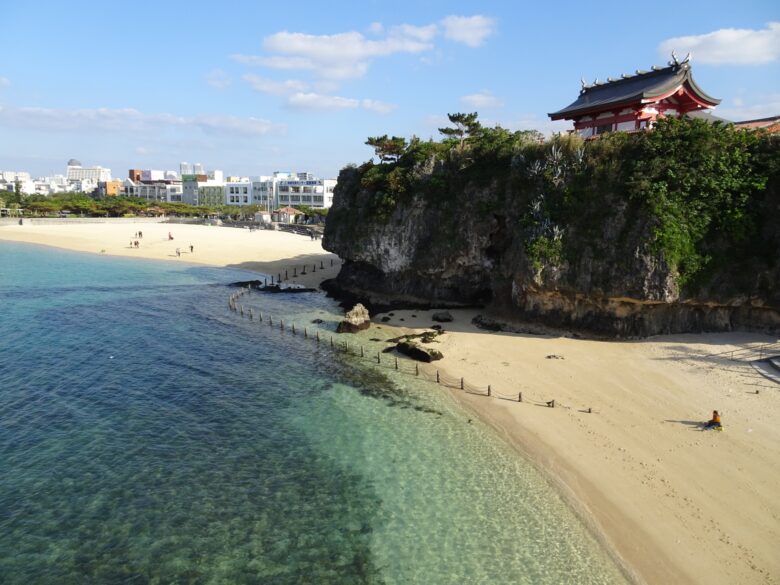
x,y
635,102
77,172
203,188
10,179
238,191
110,188
290,189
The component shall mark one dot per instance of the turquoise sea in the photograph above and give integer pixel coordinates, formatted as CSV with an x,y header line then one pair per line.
x,y
150,435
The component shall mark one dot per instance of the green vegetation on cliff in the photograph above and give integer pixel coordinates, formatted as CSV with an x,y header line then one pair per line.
x,y
700,199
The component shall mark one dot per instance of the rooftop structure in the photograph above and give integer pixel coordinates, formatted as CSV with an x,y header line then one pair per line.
x,y
634,102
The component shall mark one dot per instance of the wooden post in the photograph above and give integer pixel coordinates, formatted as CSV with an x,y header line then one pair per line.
x,y
318,336
331,341
331,261
285,274
416,370
437,376
589,410
488,389
461,383
378,358
279,279
519,396
272,280
295,271
270,321
362,354
321,266
396,363
293,328
242,309
251,315
261,316
265,281
314,268
305,333
281,324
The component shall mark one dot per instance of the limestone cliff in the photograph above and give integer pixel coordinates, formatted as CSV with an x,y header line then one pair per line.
x,y
560,234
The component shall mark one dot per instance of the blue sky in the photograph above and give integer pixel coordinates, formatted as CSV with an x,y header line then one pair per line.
x,y
255,87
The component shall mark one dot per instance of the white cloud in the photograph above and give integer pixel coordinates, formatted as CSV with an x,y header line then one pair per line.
x,y
738,110
348,55
130,120
321,102
729,46
218,79
316,101
5,82
482,100
469,30
273,87
377,106
339,56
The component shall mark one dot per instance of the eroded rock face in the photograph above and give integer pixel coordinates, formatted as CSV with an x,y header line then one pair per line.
x,y
356,319
610,281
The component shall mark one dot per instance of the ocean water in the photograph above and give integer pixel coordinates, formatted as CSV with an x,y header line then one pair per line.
x,y
150,435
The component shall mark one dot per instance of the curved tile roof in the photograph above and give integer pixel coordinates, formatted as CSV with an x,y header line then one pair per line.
x,y
633,88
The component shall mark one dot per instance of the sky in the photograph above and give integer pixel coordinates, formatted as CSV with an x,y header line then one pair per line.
x,y
257,87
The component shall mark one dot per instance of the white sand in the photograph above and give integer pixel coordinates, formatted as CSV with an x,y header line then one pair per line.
x,y
675,503
265,251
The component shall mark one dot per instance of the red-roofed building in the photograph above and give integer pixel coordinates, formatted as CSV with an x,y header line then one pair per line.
x,y
635,102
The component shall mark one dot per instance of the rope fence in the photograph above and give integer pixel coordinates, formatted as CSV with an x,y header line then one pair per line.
x,y
289,272
403,365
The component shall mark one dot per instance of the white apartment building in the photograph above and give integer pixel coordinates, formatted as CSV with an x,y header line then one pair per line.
x,y
283,189
238,191
9,179
77,172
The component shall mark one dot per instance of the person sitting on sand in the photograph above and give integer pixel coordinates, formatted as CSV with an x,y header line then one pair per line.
x,y
714,423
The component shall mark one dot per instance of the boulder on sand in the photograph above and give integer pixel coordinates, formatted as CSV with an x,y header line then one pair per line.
x,y
442,317
355,320
419,353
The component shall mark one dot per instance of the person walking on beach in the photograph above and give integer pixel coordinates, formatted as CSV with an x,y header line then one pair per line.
x,y
170,236
140,234
714,422
178,253
192,248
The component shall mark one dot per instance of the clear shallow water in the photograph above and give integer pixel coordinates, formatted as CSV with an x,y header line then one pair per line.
x,y
148,435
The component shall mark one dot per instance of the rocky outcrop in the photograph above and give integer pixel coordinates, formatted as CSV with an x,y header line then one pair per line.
x,y
474,246
357,319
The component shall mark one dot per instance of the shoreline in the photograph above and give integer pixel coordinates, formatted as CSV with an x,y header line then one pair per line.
x,y
667,504
262,251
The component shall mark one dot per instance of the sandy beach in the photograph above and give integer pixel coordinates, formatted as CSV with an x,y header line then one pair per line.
x,y
674,503
270,252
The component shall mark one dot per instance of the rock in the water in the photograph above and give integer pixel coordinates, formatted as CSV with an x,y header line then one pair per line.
x,y
416,352
355,320
442,317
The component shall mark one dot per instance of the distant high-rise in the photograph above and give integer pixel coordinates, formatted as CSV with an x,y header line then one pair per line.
x,y
77,172
186,168
198,169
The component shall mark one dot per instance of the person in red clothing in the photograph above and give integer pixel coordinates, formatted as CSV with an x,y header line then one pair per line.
x,y
714,422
